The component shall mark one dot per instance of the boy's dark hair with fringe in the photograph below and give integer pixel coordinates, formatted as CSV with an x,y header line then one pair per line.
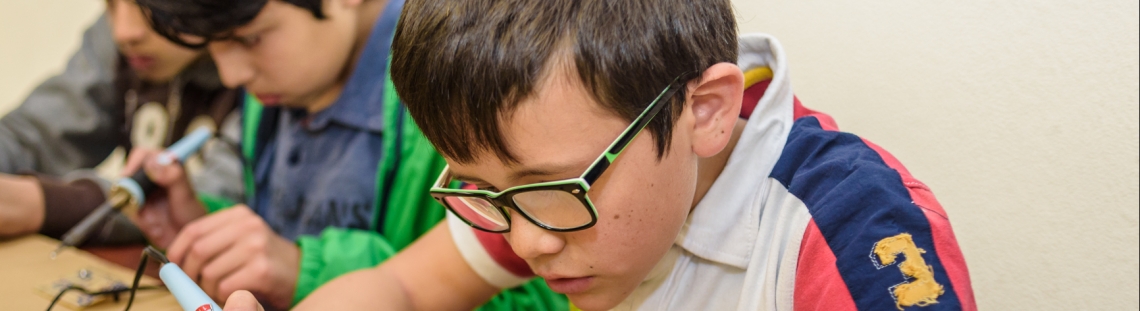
x,y
209,19
458,65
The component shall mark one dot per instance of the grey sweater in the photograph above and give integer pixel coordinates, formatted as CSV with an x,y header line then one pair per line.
x,y
68,122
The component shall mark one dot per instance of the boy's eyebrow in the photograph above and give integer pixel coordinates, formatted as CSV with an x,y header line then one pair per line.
x,y
257,24
529,172
543,170
247,29
468,179
532,172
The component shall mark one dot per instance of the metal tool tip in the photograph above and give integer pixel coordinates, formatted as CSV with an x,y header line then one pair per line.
x,y
55,253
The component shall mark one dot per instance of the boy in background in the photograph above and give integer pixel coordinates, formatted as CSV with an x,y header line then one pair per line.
x,y
126,87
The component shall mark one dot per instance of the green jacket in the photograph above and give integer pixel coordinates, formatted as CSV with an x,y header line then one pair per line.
x,y
408,210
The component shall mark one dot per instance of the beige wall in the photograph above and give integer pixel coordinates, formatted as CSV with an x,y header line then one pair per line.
x,y
36,38
1022,115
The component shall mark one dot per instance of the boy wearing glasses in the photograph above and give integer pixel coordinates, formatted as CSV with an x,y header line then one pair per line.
x,y
636,154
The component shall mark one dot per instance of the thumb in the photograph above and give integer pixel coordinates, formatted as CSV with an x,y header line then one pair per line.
x,y
242,301
136,158
180,194
165,170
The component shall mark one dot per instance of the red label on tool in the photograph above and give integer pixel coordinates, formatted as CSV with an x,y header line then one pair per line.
x,y
205,307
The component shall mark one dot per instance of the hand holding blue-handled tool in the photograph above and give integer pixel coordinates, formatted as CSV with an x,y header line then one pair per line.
x,y
139,184
128,194
190,297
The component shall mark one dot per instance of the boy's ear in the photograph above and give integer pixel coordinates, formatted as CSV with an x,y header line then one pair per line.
x,y
715,105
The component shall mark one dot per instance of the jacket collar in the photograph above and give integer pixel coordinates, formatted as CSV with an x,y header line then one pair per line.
x,y
725,223
360,104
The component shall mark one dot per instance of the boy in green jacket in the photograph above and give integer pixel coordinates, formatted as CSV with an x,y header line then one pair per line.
x,y
336,173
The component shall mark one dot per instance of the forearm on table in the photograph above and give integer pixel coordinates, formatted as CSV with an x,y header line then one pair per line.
x,y
21,205
44,204
65,202
368,289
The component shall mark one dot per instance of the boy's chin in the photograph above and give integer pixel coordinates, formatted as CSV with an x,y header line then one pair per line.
x,y
591,304
598,299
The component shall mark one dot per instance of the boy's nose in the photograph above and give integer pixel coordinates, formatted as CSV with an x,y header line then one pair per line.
x,y
127,23
234,66
530,241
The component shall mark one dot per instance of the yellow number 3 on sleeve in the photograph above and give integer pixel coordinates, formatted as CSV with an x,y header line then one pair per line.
x,y
921,290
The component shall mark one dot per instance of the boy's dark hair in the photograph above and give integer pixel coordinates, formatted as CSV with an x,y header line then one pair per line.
x,y
459,65
209,19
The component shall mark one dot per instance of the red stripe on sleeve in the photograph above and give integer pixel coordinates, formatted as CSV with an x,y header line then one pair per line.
x,y
502,253
825,121
945,244
818,283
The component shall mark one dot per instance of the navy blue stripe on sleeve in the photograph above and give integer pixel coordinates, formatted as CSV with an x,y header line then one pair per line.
x,y
857,200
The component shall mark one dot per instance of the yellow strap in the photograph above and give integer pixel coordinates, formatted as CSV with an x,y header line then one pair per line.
x,y
755,75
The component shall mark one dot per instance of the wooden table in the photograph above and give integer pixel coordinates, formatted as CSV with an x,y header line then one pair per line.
x,y
25,265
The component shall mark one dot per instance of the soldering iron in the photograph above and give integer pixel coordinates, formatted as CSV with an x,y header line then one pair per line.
x,y
128,194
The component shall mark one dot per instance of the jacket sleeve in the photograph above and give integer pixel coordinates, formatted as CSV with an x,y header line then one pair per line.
x,y
335,252
68,122
877,239
67,201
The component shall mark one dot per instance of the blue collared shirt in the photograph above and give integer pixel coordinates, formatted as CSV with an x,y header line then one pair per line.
x,y
319,170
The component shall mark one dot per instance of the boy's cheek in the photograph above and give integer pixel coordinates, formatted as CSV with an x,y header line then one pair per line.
x,y
630,242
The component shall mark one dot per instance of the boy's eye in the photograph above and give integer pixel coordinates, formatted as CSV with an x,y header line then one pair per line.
x,y
489,188
248,40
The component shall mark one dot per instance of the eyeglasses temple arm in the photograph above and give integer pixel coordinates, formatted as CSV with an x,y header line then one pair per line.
x,y
444,174
603,162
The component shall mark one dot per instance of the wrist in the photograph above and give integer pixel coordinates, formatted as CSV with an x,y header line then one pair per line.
x,y
289,270
186,210
22,206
